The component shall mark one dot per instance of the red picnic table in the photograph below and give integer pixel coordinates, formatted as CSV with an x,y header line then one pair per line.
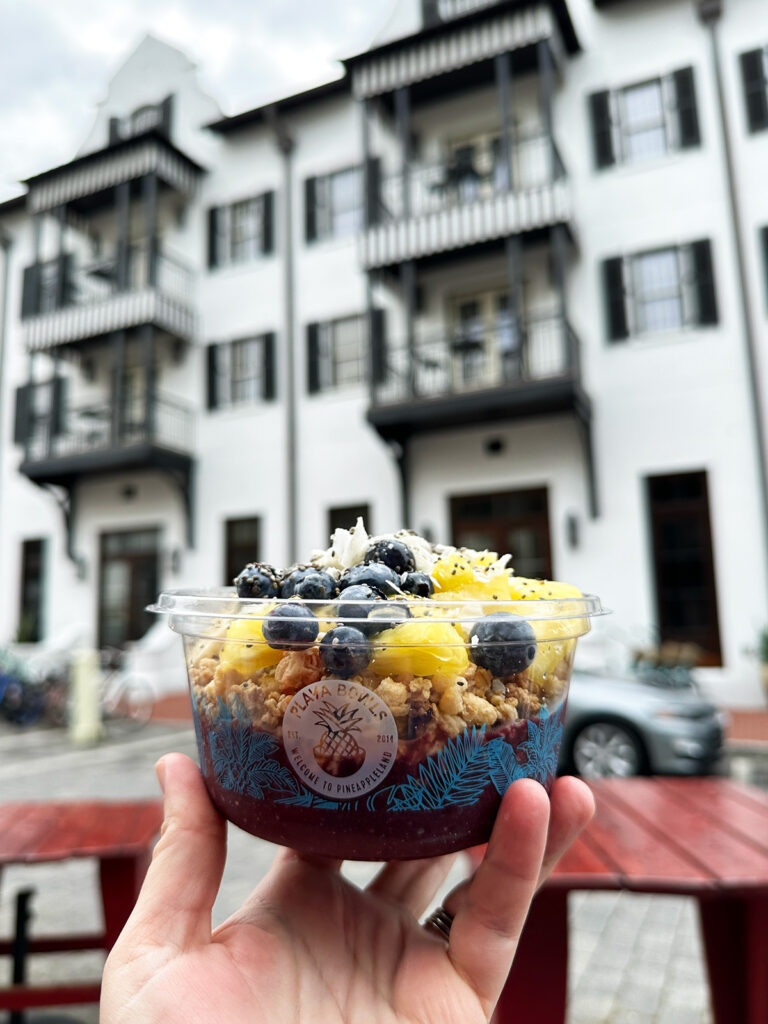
x,y
703,837
119,835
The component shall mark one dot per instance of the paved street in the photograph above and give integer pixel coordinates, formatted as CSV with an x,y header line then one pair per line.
x,y
634,958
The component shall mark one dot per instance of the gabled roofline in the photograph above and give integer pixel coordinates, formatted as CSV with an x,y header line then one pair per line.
x,y
13,204
559,9
293,102
115,147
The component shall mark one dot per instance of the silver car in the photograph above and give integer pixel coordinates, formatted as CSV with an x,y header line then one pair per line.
x,y
646,722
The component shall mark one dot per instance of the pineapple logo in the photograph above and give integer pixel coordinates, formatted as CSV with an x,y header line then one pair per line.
x,y
338,752
340,738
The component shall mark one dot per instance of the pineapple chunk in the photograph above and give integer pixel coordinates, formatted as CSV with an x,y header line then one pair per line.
x,y
419,647
523,589
245,649
452,572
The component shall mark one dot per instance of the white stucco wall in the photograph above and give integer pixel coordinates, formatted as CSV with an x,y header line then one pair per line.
x,y
674,402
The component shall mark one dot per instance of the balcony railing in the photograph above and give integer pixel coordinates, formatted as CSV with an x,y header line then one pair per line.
x,y
535,163
166,423
96,280
444,363
472,200
77,299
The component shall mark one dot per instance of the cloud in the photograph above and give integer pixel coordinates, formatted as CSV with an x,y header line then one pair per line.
x,y
56,59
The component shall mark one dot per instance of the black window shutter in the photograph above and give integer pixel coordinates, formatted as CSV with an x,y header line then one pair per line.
x,y
755,90
764,239
704,282
211,376
378,346
30,291
213,216
114,130
310,209
687,114
268,223
22,414
615,304
373,191
166,114
313,358
602,139
268,378
58,405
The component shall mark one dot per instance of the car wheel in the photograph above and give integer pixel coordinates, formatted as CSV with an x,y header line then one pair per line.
x,y
607,750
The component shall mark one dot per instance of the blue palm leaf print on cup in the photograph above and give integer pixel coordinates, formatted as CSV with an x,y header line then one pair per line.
x,y
453,777
543,744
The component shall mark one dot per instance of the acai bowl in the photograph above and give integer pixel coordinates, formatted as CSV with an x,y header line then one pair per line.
x,y
376,702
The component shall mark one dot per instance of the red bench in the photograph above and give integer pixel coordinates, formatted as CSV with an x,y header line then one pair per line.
x,y
706,838
119,835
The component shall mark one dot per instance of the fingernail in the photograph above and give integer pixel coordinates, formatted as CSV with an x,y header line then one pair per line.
x,y
160,773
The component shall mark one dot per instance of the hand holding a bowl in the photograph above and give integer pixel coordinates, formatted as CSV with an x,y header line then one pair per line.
x,y
307,945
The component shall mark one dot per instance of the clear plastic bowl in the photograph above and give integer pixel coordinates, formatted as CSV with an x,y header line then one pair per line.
x,y
395,747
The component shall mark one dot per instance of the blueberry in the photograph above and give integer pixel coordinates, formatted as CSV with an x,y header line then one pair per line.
x,y
380,578
503,643
257,579
356,602
386,615
293,577
317,586
345,651
394,553
290,627
418,584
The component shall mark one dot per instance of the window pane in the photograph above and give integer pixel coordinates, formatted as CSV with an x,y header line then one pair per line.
x,y
246,370
246,229
338,203
643,105
642,121
657,287
348,345
641,145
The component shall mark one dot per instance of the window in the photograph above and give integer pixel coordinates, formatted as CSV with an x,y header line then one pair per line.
x,y
345,516
644,120
661,290
241,372
30,628
144,119
658,290
686,603
754,76
242,538
242,231
514,521
337,353
334,204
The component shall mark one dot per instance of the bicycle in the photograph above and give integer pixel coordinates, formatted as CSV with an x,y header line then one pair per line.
x,y
127,700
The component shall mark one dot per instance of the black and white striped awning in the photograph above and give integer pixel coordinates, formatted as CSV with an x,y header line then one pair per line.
x,y
81,179
458,48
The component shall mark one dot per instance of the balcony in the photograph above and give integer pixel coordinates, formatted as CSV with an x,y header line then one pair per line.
x,y
77,301
478,377
93,439
460,203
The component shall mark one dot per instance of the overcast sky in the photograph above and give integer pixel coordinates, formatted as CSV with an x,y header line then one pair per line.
x,y
56,57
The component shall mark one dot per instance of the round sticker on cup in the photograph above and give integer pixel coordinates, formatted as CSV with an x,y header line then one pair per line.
x,y
340,738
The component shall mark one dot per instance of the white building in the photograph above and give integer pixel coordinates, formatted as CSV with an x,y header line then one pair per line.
x,y
487,283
